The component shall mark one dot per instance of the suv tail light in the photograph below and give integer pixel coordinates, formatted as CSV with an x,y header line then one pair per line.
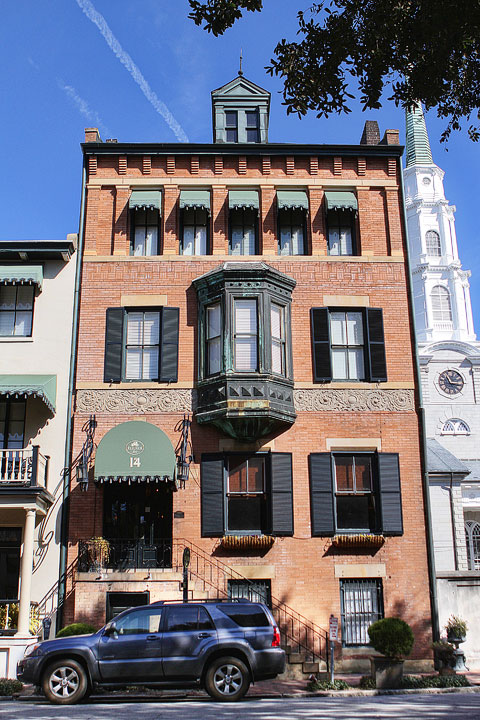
x,y
276,637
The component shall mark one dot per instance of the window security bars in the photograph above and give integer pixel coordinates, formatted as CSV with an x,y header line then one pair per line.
x,y
472,537
361,605
16,310
253,590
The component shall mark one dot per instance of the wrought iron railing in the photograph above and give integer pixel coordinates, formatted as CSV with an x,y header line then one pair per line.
x,y
298,632
26,467
121,554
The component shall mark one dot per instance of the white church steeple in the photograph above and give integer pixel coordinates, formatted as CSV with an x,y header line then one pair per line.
x,y
441,289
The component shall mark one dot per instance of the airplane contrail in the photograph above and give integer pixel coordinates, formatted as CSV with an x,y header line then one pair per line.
x,y
83,107
134,71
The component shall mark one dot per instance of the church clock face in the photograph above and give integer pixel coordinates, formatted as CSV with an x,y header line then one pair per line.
x,y
451,382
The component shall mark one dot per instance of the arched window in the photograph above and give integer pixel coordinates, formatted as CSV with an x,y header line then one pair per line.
x,y
454,426
472,537
441,308
433,243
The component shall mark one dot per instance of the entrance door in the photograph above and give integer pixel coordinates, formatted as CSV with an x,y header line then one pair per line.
x,y
137,520
10,543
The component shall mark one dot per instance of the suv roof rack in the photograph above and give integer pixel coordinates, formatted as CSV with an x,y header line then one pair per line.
x,y
204,602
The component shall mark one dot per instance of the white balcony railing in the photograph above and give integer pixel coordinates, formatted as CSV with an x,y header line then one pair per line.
x,y
25,467
445,326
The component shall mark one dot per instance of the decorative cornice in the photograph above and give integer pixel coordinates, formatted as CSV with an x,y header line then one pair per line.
x,y
134,401
345,400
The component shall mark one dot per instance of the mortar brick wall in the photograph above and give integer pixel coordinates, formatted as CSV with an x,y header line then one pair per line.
x,y
304,567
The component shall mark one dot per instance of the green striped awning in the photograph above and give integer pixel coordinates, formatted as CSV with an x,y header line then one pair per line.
x,y
146,199
195,199
22,275
243,199
292,199
135,451
20,386
341,201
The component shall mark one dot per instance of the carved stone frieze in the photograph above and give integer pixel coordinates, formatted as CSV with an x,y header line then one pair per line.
x,y
342,399
134,401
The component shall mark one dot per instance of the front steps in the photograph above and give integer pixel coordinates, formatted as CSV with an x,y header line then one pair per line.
x,y
300,666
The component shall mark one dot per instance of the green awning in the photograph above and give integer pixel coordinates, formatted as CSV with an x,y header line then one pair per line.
x,y
22,275
243,199
20,386
292,199
195,199
341,201
135,451
146,199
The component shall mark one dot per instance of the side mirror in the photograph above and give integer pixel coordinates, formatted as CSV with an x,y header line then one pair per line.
x,y
110,629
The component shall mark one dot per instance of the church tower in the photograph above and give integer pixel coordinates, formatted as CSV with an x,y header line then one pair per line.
x,y
441,290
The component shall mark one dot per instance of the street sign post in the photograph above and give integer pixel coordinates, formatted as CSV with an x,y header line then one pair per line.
x,y
333,637
186,563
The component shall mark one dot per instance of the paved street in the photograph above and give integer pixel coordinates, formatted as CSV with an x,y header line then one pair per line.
x,y
444,706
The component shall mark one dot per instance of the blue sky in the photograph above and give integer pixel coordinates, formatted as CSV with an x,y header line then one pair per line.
x,y
144,73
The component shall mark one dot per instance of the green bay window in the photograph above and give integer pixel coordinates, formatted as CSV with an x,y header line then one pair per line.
x,y
245,335
213,350
277,324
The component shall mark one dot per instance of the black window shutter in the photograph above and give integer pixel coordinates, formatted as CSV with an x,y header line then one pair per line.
x,y
390,494
322,499
112,369
211,474
281,500
168,355
376,345
322,364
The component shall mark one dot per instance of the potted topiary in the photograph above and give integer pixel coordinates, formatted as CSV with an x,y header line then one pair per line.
x,y
456,629
393,638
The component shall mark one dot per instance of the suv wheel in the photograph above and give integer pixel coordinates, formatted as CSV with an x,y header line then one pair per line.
x,y
227,679
65,682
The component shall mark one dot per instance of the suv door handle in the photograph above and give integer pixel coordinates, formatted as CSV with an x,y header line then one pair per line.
x,y
152,637
203,635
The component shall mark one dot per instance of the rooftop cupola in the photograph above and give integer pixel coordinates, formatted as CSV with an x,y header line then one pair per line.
x,y
240,111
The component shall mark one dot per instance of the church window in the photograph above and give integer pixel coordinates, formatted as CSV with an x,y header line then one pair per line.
x,y
441,308
433,243
454,426
472,537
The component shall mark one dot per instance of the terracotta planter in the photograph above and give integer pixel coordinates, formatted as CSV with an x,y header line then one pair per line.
x,y
358,540
387,672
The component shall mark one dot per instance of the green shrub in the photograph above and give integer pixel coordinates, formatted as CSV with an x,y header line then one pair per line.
x,y
9,687
76,629
327,685
367,682
392,637
434,681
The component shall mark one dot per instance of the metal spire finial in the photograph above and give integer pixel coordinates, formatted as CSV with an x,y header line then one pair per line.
x,y
240,71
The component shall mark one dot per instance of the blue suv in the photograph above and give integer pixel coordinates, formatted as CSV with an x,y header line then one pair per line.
x,y
219,646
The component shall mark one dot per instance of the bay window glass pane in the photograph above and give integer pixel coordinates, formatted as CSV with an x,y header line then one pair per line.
x,y
134,328
133,362
355,364
338,328
188,240
277,357
151,328
214,356
363,473
24,297
276,315
150,363
354,329
213,321
23,323
344,473
246,354
245,316
339,364
7,297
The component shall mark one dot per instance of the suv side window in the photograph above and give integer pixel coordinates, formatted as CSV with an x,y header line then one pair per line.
x,y
246,615
181,619
204,621
139,622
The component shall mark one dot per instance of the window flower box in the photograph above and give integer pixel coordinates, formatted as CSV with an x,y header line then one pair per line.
x,y
247,542
358,540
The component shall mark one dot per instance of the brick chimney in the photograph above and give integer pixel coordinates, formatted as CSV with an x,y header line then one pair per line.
x,y
391,137
92,135
371,133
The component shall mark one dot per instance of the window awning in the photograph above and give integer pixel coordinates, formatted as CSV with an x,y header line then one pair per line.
x,y
199,199
341,201
146,199
292,200
22,275
243,199
135,451
41,386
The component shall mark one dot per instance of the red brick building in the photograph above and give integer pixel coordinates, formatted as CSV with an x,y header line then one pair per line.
x,y
261,289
